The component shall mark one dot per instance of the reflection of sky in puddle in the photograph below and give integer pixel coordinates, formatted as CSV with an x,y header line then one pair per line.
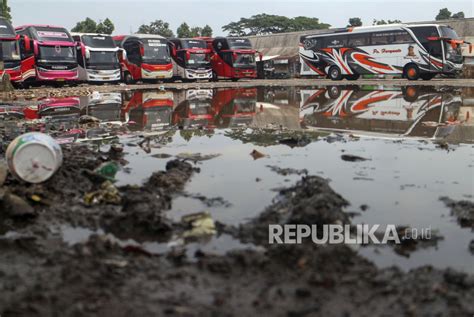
x,y
408,179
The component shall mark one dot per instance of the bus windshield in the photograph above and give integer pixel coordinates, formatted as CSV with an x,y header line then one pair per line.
x,y
448,32
57,53
98,41
103,58
194,44
155,50
9,51
198,60
244,60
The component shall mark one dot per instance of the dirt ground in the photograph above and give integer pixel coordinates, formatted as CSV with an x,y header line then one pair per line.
x,y
111,274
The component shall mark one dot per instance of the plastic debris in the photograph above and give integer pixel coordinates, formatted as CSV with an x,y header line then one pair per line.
x,y
107,193
34,157
257,155
201,224
107,170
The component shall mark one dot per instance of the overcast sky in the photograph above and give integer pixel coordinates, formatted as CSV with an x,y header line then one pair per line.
x,y
128,15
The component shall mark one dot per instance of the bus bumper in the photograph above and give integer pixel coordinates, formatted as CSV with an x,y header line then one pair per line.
x,y
103,75
56,75
245,73
198,74
159,74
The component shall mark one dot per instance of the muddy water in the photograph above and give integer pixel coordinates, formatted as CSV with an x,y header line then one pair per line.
x,y
418,143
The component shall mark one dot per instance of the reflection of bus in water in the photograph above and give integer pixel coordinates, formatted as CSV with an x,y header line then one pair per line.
x,y
149,110
413,111
234,107
104,106
193,108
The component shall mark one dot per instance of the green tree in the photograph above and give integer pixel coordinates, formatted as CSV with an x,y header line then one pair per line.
x,y
269,24
158,27
86,26
459,15
443,14
183,30
355,22
105,27
196,31
5,10
206,31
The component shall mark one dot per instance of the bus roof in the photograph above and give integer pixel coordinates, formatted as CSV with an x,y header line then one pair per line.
x,y
21,27
91,34
148,36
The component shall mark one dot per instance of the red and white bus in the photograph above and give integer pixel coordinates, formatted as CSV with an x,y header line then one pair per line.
x,y
232,58
10,51
411,51
144,57
191,59
48,54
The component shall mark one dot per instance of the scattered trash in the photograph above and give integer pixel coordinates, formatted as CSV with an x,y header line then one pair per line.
x,y
353,158
196,157
257,155
107,193
34,157
201,224
107,170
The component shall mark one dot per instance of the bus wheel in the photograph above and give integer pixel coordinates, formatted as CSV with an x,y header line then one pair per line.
x,y
235,79
412,72
128,79
427,76
335,73
353,77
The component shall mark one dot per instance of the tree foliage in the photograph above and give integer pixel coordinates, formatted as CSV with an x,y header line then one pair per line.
x,y
206,31
383,22
355,22
90,26
184,31
158,27
5,10
445,14
269,24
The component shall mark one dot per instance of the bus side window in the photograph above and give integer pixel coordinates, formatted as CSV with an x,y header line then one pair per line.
x,y
358,40
402,38
423,33
380,39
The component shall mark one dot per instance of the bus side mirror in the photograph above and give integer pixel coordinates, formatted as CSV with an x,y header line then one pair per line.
x,y
142,50
234,56
26,39
88,54
188,55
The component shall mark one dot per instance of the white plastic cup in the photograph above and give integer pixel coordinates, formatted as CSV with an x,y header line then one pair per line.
x,y
34,157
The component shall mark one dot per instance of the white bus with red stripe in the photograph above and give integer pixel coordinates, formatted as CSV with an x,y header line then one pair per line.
x,y
410,51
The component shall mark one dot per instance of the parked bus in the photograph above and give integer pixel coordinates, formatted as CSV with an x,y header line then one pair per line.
x,y
194,108
191,59
232,58
10,51
48,54
97,58
412,51
144,57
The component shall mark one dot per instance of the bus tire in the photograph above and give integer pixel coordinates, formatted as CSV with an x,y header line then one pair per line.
x,y
335,73
353,77
411,72
128,79
235,79
334,92
427,76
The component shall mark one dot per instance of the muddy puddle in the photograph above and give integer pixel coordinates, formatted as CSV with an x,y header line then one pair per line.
x,y
390,152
